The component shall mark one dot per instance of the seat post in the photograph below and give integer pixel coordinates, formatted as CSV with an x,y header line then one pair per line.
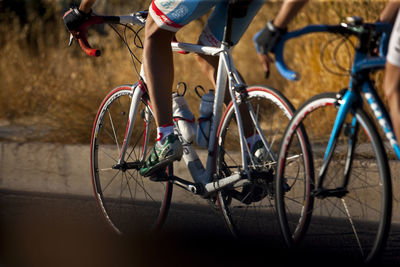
x,y
227,38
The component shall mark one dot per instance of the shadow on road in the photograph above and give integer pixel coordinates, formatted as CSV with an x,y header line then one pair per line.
x,y
38,230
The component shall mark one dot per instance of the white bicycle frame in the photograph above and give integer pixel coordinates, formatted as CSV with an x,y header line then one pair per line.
x,y
226,72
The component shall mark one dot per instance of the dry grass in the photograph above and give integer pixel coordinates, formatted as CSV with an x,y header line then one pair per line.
x,y
58,89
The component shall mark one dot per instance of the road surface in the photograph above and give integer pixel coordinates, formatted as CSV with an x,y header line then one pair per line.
x,y
58,230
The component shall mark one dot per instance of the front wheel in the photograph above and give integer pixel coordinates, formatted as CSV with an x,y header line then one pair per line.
x,y
248,209
128,201
352,203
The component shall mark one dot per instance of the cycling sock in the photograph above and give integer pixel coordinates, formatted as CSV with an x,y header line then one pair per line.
x,y
252,139
163,131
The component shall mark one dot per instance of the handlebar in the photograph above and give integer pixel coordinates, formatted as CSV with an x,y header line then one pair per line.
x,y
138,18
343,29
82,38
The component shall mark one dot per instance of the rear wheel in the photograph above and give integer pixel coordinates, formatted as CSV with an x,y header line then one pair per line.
x,y
128,201
248,209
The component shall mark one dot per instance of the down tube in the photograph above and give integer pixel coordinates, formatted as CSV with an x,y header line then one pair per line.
x,y
381,115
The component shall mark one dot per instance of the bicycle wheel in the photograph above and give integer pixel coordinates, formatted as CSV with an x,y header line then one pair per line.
x,y
128,201
355,208
248,209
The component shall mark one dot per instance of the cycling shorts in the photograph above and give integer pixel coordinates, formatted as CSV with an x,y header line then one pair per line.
x,y
172,15
393,55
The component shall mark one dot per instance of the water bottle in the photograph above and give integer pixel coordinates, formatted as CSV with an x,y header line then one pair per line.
x,y
204,121
183,117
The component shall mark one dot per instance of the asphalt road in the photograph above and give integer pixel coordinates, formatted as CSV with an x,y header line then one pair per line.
x,y
54,230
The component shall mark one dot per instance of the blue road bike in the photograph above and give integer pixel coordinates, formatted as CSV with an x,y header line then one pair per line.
x,y
332,163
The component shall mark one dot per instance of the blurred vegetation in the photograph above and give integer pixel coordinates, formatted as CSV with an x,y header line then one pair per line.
x,y
57,89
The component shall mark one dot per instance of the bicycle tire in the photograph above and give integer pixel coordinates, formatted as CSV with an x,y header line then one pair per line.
x,y
247,210
359,219
128,202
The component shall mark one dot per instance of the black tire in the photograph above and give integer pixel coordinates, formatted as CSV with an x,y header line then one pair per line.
x,y
360,219
127,201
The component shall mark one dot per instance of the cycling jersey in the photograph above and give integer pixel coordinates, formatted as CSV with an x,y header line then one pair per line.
x,y
393,55
172,15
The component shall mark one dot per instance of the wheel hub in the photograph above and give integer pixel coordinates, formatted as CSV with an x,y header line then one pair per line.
x,y
261,186
136,165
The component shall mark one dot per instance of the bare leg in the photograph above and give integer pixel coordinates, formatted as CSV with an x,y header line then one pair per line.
x,y
391,86
159,70
209,66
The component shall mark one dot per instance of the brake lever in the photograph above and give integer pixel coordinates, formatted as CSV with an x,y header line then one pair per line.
x,y
71,39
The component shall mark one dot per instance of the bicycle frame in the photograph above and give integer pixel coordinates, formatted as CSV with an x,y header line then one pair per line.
x,y
226,74
352,99
360,83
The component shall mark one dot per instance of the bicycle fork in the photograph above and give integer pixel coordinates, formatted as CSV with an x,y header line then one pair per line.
x,y
137,93
347,102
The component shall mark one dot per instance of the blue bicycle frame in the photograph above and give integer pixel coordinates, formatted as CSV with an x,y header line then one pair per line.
x,y
360,82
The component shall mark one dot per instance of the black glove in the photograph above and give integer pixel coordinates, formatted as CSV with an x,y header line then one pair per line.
x,y
267,38
74,18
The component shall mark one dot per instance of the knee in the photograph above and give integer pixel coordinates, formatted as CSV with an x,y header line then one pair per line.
x,y
391,82
154,32
390,89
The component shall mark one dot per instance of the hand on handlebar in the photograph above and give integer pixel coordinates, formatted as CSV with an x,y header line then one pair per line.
x,y
77,22
73,20
265,41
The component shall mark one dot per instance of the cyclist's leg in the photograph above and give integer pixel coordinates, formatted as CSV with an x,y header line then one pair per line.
x,y
213,31
391,82
391,87
209,65
166,18
212,35
158,68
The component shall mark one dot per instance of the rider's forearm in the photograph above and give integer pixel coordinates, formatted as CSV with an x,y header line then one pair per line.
x,y
389,13
86,5
288,10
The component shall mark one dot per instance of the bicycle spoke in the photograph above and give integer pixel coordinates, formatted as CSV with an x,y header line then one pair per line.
x,y
110,182
115,135
109,156
352,226
126,200
249,208
363,211
141,185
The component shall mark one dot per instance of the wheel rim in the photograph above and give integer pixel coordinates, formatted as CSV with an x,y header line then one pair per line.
x,y
248,210
128,201
359,218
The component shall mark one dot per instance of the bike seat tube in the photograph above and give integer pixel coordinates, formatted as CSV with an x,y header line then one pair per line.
x,y
227,37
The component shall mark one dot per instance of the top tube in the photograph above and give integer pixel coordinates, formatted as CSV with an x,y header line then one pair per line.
x,y
361,62
138,18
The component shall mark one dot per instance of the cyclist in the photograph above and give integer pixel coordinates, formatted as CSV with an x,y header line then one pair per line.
x,y
166,18
391,80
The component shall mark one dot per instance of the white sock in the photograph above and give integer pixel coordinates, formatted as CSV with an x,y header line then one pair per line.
x,y
252,140
163,132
